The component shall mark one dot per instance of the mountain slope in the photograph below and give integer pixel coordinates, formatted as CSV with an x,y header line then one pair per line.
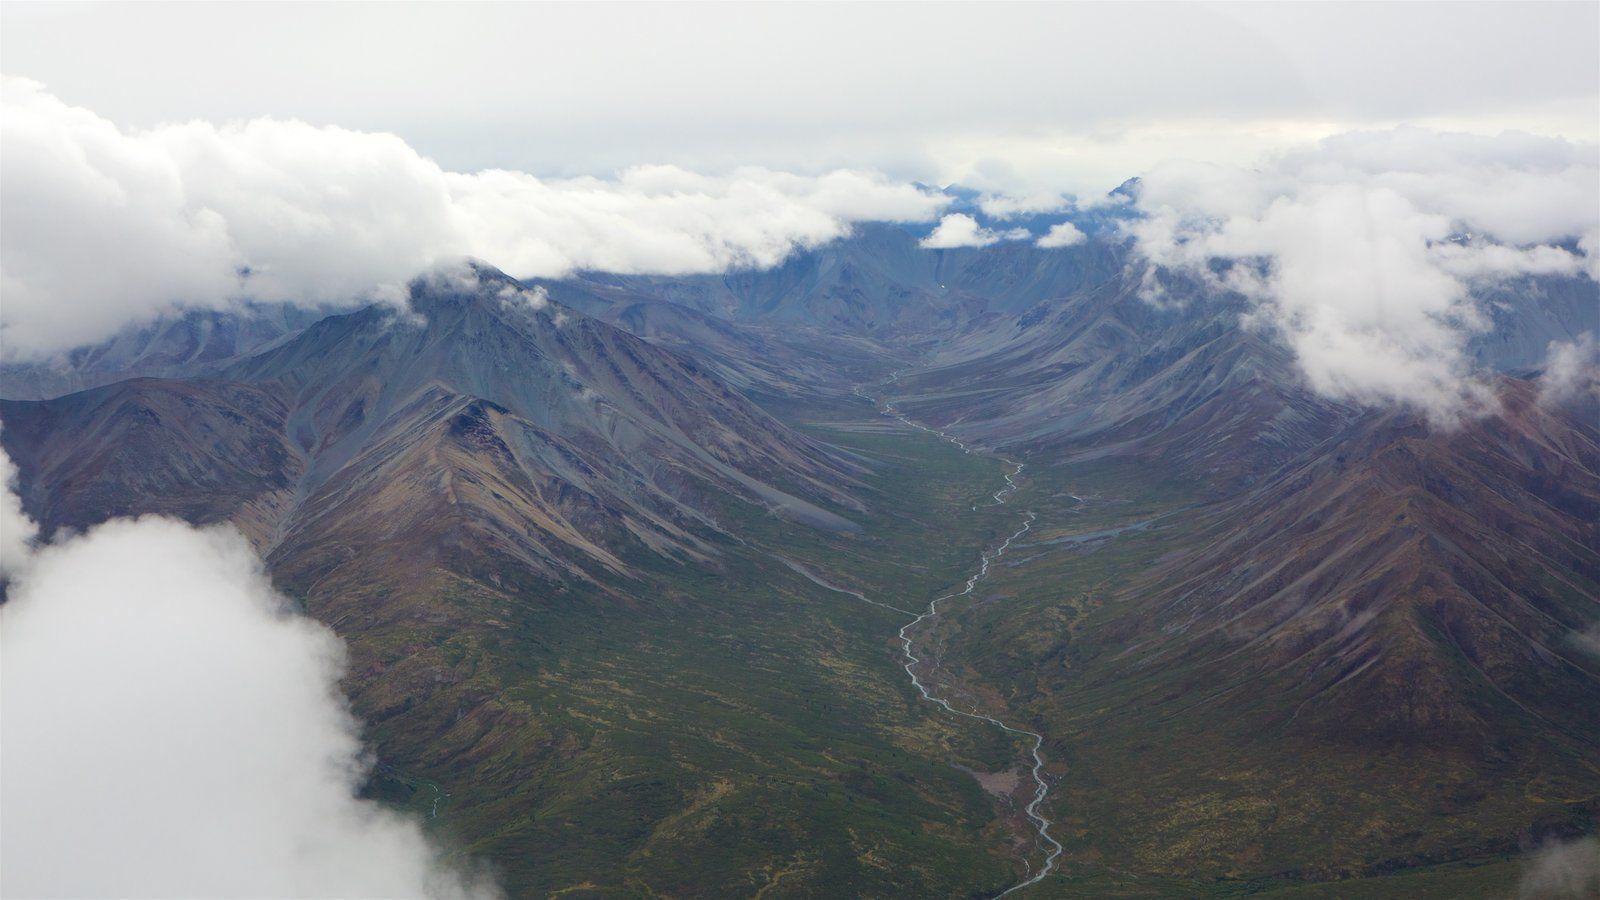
x,y
1104,372
1370,660
585,423
553,551
201,451
779,363
879,283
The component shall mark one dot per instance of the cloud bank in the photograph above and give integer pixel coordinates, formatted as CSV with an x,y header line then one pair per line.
x,y
1365,251
120,227
170,728
961,230
856,85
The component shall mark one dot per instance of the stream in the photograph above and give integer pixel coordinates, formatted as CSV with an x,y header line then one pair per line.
x,y
1041,790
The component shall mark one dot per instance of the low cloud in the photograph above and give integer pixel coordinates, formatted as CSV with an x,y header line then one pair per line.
x,y
1588,639
103,227
1062,234
17,530
962,230
1571,370
171,728
1562,870
1007,206
532,298
1365,251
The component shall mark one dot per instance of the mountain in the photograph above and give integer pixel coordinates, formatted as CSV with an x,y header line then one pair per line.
x,y
879,283
1268,635
198,450
773,362
1526,314
597,443
1372,659
559,556
1103,372
598,547
186,344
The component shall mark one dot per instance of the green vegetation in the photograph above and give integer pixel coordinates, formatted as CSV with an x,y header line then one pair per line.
x,y
1169,782
728,728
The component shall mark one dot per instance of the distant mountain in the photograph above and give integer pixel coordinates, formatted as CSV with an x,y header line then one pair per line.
x,y
1526,314
1104,372
761,359
190,343
879,283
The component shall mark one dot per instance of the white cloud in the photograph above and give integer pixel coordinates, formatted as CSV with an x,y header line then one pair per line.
x,y
962,230
171,728
1364,251
665,220
856,85
1589,246
1571,369
105,227
1006,206
1562,869
533,298
1062,234
16,529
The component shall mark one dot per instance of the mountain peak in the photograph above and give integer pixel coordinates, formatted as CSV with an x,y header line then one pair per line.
x,y
469,282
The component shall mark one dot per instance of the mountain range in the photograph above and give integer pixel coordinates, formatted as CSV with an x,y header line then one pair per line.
x,y
599,547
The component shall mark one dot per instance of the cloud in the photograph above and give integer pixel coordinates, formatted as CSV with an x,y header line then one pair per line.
x,y
1562,869
1062,234
666,220
1587,640
1140,84
1589,246
171,728
1005,206
104,227
962,230
1571,369
1365,251
16,528
533,298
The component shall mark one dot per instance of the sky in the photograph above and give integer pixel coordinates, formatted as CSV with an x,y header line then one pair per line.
x,y
1370,167
1012,98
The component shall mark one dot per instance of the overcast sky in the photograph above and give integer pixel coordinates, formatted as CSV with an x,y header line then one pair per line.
x,y
203,156
1005,97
